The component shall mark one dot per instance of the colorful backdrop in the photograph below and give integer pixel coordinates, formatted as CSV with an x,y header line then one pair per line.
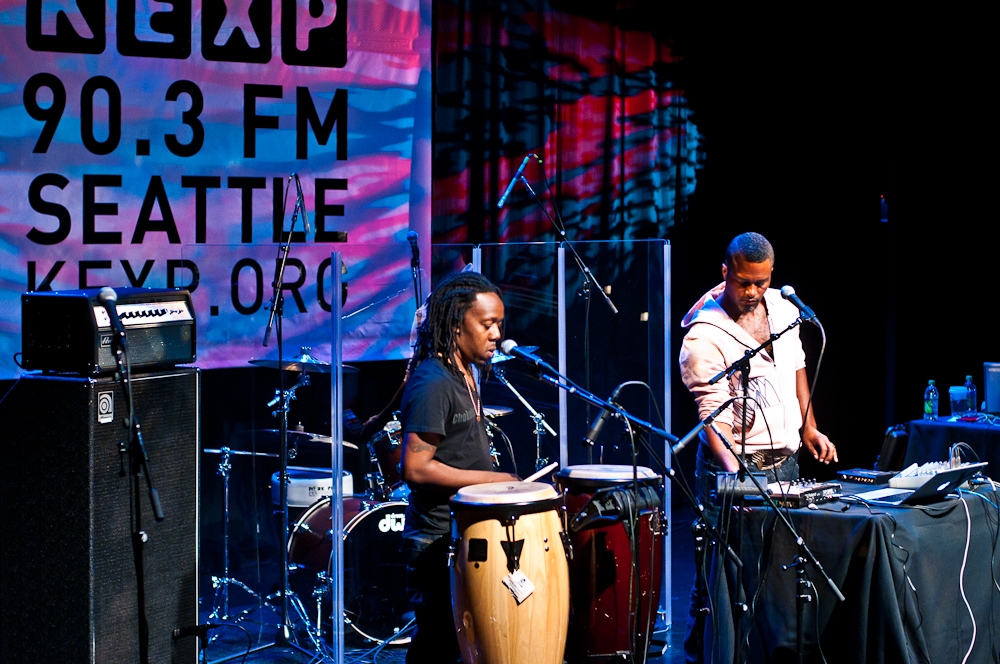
x,y
152,144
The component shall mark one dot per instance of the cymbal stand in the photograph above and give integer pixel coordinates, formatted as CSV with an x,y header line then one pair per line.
x,y
220,605
541,426
285,637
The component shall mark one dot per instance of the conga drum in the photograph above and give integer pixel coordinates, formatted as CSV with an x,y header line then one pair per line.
x,y
509,532
615,598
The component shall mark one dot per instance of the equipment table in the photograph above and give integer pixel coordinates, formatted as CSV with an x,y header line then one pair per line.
x,y
906,574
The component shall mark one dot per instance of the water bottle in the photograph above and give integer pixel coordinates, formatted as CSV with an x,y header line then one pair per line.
x,y
931,401
970,391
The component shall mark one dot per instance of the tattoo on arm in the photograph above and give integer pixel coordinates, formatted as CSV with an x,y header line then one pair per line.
x,y
417,446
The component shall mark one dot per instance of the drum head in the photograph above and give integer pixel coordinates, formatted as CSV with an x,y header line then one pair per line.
x,y
375,573
504,493
605,472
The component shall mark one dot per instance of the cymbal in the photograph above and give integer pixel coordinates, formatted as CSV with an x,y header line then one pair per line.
x,y
316,438
242,453
304,362
496,411
306,449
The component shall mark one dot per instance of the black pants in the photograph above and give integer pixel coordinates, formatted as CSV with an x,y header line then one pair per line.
x,y
428,585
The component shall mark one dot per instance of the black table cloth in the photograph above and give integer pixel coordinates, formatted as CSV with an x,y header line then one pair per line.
x,y
902,570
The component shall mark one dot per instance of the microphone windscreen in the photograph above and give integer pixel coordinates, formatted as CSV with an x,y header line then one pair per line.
x,y
107,295
787,292
508,346
411,237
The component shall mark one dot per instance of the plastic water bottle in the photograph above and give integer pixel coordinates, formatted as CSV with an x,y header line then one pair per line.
x,y
970,390
931,401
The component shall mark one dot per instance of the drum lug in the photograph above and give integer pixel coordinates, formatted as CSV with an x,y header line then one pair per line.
x,y
456,542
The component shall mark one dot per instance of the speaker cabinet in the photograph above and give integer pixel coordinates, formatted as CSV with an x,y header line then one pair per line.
x,y
71,590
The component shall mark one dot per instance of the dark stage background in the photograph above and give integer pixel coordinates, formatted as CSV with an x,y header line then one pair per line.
x,y
802,125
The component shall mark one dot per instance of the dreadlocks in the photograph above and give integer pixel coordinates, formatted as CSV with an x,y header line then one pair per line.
x,y
446,309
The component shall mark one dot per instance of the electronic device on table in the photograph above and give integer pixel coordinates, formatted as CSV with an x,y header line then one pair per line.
x,y
934,488
800,493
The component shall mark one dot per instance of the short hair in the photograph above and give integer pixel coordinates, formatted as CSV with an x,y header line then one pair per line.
x,y
751,247
446,309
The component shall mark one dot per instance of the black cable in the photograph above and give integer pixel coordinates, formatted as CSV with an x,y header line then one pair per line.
x,y
819,361
819,641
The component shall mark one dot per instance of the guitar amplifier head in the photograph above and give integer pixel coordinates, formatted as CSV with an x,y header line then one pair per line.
x,y
70,331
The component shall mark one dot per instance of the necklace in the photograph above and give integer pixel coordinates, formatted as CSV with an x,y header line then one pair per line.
x,y
476,406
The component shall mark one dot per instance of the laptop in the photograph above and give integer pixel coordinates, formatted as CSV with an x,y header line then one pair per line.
x,y
934,490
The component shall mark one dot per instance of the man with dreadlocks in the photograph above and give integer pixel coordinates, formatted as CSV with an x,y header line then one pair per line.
x,y
445,445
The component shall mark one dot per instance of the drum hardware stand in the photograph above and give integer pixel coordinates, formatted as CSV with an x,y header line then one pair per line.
x,y
289,394
494,454
541,426
220,605
285,636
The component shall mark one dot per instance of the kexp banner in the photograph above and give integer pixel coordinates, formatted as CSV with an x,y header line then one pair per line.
x,y
151,144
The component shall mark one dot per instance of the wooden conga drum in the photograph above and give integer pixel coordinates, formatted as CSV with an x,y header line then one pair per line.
x,y
501,530
615,597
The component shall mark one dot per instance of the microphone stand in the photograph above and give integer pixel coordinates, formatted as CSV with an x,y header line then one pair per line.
x,y
564,383
588,278
804,557
285,636
415,269
743,366
138,461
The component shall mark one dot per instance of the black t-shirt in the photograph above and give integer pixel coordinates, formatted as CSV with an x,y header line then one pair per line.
x,y
437,401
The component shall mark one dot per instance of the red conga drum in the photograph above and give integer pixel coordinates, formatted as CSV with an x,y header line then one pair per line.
x,y
614,597
500,531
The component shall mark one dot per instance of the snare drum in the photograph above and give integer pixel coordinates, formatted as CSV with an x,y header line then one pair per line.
x,y
602,577
374,569
307,485
496,529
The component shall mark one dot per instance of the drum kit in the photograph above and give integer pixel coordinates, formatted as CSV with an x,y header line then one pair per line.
x,y
538,572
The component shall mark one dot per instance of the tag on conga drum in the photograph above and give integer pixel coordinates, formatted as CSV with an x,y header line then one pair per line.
x,y
519,585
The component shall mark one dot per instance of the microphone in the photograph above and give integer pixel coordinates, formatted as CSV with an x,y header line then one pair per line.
x,y
595,428
108,297
510,347
411,237
510,187
788,293
682,443
302,203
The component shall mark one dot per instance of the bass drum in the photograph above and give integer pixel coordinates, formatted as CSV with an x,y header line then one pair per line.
x,y
374,569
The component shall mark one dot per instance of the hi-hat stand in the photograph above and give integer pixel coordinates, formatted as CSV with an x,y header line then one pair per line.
x,y
541,426
220,605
